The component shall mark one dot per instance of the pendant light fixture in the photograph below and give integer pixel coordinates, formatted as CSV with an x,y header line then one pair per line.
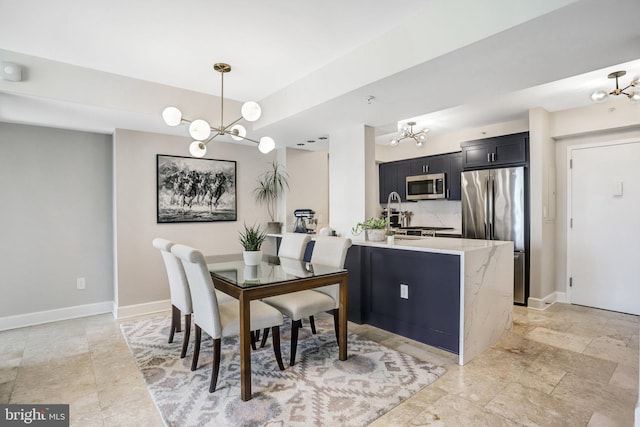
x,y
632,90
407,132
203,133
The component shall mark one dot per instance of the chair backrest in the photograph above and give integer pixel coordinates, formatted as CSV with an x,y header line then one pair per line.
x,y
205,303
178,286
331,251
293,245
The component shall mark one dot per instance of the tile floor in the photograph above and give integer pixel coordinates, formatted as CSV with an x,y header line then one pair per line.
x,y
566,366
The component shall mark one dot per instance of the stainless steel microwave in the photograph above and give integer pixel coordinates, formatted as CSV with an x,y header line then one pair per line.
x,y
426,187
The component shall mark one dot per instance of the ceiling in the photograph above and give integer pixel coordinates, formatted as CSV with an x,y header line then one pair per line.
x,y
460,70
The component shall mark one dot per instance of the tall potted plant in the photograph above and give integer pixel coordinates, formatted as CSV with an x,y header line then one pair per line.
x,y
271,186
251,239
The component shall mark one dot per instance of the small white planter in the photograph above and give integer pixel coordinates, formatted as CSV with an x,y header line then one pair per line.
x,y
252,257
391,240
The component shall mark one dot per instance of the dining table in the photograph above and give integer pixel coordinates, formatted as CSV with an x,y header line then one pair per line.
x,y
273,276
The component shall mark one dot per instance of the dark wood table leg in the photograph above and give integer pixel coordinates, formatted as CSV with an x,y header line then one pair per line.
x,y
343,314
245,348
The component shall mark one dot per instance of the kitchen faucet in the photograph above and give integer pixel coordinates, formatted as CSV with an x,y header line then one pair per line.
x,y
393,195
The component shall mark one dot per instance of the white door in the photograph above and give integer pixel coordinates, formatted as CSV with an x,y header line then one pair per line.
x,y
604,238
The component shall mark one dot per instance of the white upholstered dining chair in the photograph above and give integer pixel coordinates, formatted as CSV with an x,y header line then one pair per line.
x,y
179,293
293,245
327,250
221,319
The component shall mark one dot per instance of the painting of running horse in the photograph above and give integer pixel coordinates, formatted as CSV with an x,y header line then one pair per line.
x,y
196,190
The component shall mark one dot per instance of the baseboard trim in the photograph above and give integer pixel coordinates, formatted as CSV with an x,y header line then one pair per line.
x,y
543,303
40,317
141,309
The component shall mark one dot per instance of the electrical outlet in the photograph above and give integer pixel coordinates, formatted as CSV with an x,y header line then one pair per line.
x,y
81,283
404,291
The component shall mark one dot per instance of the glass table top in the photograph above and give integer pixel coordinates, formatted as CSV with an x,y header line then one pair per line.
x,y
271,270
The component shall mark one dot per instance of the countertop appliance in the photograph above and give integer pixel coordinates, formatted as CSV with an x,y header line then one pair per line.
x,y
426,187
305,221
494,208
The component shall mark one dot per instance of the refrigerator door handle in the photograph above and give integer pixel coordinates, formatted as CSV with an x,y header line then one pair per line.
x,y
487,230
490,198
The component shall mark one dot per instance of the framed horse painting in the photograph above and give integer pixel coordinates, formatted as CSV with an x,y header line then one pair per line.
x,y
195,190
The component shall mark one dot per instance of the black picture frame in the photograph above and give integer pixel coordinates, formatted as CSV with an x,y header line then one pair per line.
x,y
195,190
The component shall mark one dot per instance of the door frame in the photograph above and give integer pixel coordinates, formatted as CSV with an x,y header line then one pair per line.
x,y
570,149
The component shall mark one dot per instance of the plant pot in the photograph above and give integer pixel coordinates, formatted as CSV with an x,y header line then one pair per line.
x,y
376,234
252,257
391,240
250,272
274,227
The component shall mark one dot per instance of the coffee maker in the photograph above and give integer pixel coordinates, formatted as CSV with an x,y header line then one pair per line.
x,y
305,221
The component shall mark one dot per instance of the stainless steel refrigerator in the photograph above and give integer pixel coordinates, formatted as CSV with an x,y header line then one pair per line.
x,y
493,208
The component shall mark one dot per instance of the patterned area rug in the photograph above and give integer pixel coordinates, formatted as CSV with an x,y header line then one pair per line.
x,y
319,390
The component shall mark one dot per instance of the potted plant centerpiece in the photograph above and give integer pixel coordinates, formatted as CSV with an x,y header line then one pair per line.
x,y
271,186
251,238
374,229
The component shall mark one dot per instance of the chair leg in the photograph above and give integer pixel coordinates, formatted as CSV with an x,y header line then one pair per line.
x,y
175,322
265,335
253,339
313,324
295,325
187,332
215,368
336,323
275,331
196,348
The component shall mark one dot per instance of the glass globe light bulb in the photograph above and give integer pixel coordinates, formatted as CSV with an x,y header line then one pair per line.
x,y
422,137
394,142
599,96
418,143
238,132
266,144
172,116
635,97
251,111
199,130
197,149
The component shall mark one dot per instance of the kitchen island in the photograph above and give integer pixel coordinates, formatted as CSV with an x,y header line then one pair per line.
x,y
452,293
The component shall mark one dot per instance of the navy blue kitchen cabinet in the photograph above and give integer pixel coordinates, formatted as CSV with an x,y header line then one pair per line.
x,y
453,176
499,151
392,175
431,311
428,165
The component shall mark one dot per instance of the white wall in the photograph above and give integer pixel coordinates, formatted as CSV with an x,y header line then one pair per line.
x,y
140,276
353,177
56,219
308,185
542,202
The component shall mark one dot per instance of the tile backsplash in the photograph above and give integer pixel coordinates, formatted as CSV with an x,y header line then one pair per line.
x,y
434,213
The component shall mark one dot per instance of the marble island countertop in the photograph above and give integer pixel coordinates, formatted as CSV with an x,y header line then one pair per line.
x,y
443,245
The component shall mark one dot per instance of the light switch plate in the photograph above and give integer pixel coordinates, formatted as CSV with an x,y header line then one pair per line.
x,y
617,189
404,291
